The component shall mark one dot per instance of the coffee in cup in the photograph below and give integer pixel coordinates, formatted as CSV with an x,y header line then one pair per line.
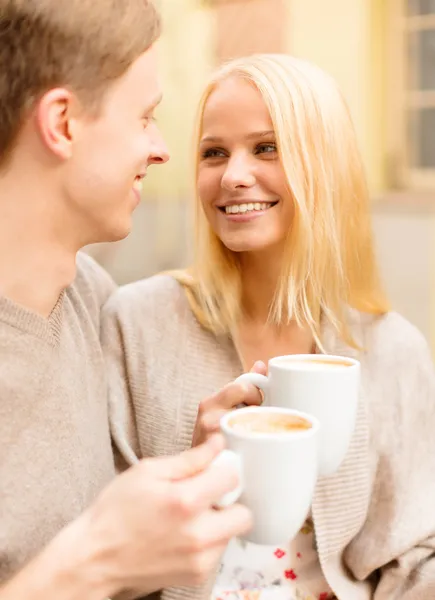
x,y
268,422
314,362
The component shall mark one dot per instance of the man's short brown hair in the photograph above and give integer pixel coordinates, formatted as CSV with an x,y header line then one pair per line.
x,y
83,45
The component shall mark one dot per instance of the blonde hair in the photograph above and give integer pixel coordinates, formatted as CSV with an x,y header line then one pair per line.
x,y
328,262
81,44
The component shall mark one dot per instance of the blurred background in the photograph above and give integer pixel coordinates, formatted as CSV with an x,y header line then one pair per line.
x,y
381,52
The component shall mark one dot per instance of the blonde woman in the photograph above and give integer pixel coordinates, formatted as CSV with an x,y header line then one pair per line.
x,y
284,264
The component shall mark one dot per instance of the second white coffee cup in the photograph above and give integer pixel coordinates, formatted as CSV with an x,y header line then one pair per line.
x,y
324,386
278,471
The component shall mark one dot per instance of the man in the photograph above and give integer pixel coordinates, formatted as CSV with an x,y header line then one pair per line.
x,y
78,87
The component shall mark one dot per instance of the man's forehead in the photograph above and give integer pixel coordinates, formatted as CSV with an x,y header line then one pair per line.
x,y
145,65
141,81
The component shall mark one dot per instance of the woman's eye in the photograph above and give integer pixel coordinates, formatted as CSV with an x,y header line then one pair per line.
x,y
266,149
212,153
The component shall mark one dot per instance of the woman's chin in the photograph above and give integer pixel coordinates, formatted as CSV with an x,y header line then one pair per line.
x,y
240,246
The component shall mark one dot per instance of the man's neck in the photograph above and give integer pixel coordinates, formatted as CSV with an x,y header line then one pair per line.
x,y
35,275
37,261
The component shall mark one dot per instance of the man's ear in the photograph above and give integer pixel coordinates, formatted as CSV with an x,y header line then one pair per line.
x,y
54,117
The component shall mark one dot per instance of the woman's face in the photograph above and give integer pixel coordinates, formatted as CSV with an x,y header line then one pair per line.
x,y
241,181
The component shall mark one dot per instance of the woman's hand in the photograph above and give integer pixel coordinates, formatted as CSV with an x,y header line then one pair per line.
x,y
212,409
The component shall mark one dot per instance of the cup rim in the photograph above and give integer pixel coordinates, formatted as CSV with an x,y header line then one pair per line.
x,y
306,433
277,361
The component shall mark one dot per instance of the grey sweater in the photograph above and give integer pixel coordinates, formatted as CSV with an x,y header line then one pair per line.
x,y
375,519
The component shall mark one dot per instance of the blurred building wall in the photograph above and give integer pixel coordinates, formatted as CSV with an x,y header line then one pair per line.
x,y
348,40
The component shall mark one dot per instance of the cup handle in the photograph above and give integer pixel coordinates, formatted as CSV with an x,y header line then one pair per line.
x,y
228,458
260,381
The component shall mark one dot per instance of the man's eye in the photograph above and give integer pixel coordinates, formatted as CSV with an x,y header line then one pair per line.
x,y
147,120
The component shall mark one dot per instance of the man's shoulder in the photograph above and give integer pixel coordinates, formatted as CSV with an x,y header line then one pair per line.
x,y
92,275
92,284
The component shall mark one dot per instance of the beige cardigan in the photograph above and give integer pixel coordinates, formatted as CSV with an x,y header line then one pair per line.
x,y
375,518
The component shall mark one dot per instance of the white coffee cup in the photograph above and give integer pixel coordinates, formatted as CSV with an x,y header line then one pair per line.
x,y
324,386
278,473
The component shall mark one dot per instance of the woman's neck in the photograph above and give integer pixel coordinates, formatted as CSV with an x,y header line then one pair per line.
x,y
256,337
260,276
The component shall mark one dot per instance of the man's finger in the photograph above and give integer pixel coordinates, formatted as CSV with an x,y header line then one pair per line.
x,y
207,488
219,526
191,462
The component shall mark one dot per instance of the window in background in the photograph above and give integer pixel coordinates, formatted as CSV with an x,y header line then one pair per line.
x,y
419,97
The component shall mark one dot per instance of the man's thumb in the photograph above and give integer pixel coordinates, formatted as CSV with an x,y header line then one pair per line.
x,y
191,462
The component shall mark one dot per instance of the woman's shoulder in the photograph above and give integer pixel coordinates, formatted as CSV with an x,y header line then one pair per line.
x,y
397,365
154,304
391,335
161,292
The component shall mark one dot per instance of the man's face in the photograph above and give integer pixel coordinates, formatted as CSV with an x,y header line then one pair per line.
x,y
110,154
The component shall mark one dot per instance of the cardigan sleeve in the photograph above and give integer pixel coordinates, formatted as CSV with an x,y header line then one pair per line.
x,y
397,549
410,575
142,338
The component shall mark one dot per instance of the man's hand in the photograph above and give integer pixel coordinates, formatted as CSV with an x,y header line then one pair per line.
x,y
152,527
212,409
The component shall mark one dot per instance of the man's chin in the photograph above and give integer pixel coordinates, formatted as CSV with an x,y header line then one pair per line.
x,y
120,234
116,233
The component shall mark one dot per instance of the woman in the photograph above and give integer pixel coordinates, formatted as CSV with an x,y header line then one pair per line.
x,y
284,264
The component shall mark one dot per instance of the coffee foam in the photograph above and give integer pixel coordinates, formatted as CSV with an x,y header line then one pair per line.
x,y
268,422
312,364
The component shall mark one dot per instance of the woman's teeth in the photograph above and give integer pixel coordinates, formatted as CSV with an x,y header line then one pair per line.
x,y
244,208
